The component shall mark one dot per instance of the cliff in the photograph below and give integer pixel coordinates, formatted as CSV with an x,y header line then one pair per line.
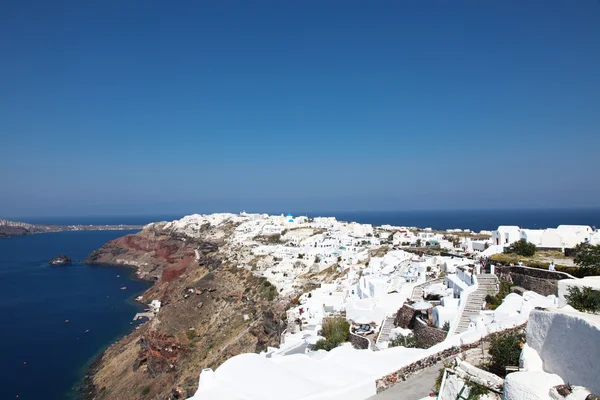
x,y
211,310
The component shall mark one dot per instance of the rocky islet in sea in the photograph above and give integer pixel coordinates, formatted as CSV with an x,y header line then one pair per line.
x,y
60,260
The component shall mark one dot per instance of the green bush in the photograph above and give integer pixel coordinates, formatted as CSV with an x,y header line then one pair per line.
x,y
267,290
324,344
587,256
409,341
493,301
336,331
446,326
505,350
587,300
476,390
145,390
523,248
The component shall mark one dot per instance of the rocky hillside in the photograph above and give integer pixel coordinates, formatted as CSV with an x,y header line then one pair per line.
x,y
211,310
13,228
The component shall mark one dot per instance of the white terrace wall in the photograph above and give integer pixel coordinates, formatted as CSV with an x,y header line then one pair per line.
x,y
569,345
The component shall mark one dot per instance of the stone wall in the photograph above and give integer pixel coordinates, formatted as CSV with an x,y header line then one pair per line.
x,y
359,342
405,317
406,371
538,280
428,336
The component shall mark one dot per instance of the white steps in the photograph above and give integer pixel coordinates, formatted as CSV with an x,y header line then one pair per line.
x,y
486,284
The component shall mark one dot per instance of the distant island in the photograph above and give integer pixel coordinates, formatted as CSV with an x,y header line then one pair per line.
x,y
13,228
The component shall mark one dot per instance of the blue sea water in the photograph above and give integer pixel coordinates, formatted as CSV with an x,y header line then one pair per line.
x,y
437,219
41,355
475,220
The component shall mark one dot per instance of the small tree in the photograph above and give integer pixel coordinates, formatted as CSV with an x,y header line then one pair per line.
x,y
336,331
523,248
505,350
587,300
418,242
587,256
446,326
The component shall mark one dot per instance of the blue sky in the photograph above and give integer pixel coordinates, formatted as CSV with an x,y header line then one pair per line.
x,y
153,107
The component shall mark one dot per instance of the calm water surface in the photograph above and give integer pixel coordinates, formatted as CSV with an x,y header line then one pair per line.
x,y
42,356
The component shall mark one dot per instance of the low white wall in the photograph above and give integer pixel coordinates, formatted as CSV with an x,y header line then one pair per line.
x,y
358,391
568,344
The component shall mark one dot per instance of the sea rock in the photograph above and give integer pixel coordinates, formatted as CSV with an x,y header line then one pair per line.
x,y
60,260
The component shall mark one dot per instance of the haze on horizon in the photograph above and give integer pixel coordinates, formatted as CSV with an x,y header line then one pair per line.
x,y
148,107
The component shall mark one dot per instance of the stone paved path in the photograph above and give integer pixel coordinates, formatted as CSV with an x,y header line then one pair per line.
x,y
415,387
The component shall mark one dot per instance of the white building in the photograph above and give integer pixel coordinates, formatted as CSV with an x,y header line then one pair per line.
x,y
506,235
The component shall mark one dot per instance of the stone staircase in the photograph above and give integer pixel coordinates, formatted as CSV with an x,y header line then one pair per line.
x,y
487,284
384,333
417,293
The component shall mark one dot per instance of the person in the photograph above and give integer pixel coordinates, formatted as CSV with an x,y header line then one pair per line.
x,y
551,267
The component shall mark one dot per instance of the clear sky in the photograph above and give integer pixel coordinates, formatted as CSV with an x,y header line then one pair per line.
x,y
117,107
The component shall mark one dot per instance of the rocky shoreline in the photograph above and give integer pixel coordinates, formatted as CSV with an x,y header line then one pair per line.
x,y
212,310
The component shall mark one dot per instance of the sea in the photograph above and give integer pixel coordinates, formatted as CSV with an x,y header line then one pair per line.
x,y
43,356
476,220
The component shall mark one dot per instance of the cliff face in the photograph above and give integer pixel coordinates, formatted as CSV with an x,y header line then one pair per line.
x,y
211,310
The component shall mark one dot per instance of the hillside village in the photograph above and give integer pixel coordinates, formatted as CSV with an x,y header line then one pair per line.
x,y
410,298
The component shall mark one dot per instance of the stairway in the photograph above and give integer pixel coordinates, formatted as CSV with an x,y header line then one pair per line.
x,y
384,334
486,284
417,293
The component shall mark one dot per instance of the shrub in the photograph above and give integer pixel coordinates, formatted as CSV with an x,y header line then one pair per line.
x,y
476,390
493,301
587,256
336,331
324,344
409,341
446,326
145,390
587,300
438,380
523,248
505,350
